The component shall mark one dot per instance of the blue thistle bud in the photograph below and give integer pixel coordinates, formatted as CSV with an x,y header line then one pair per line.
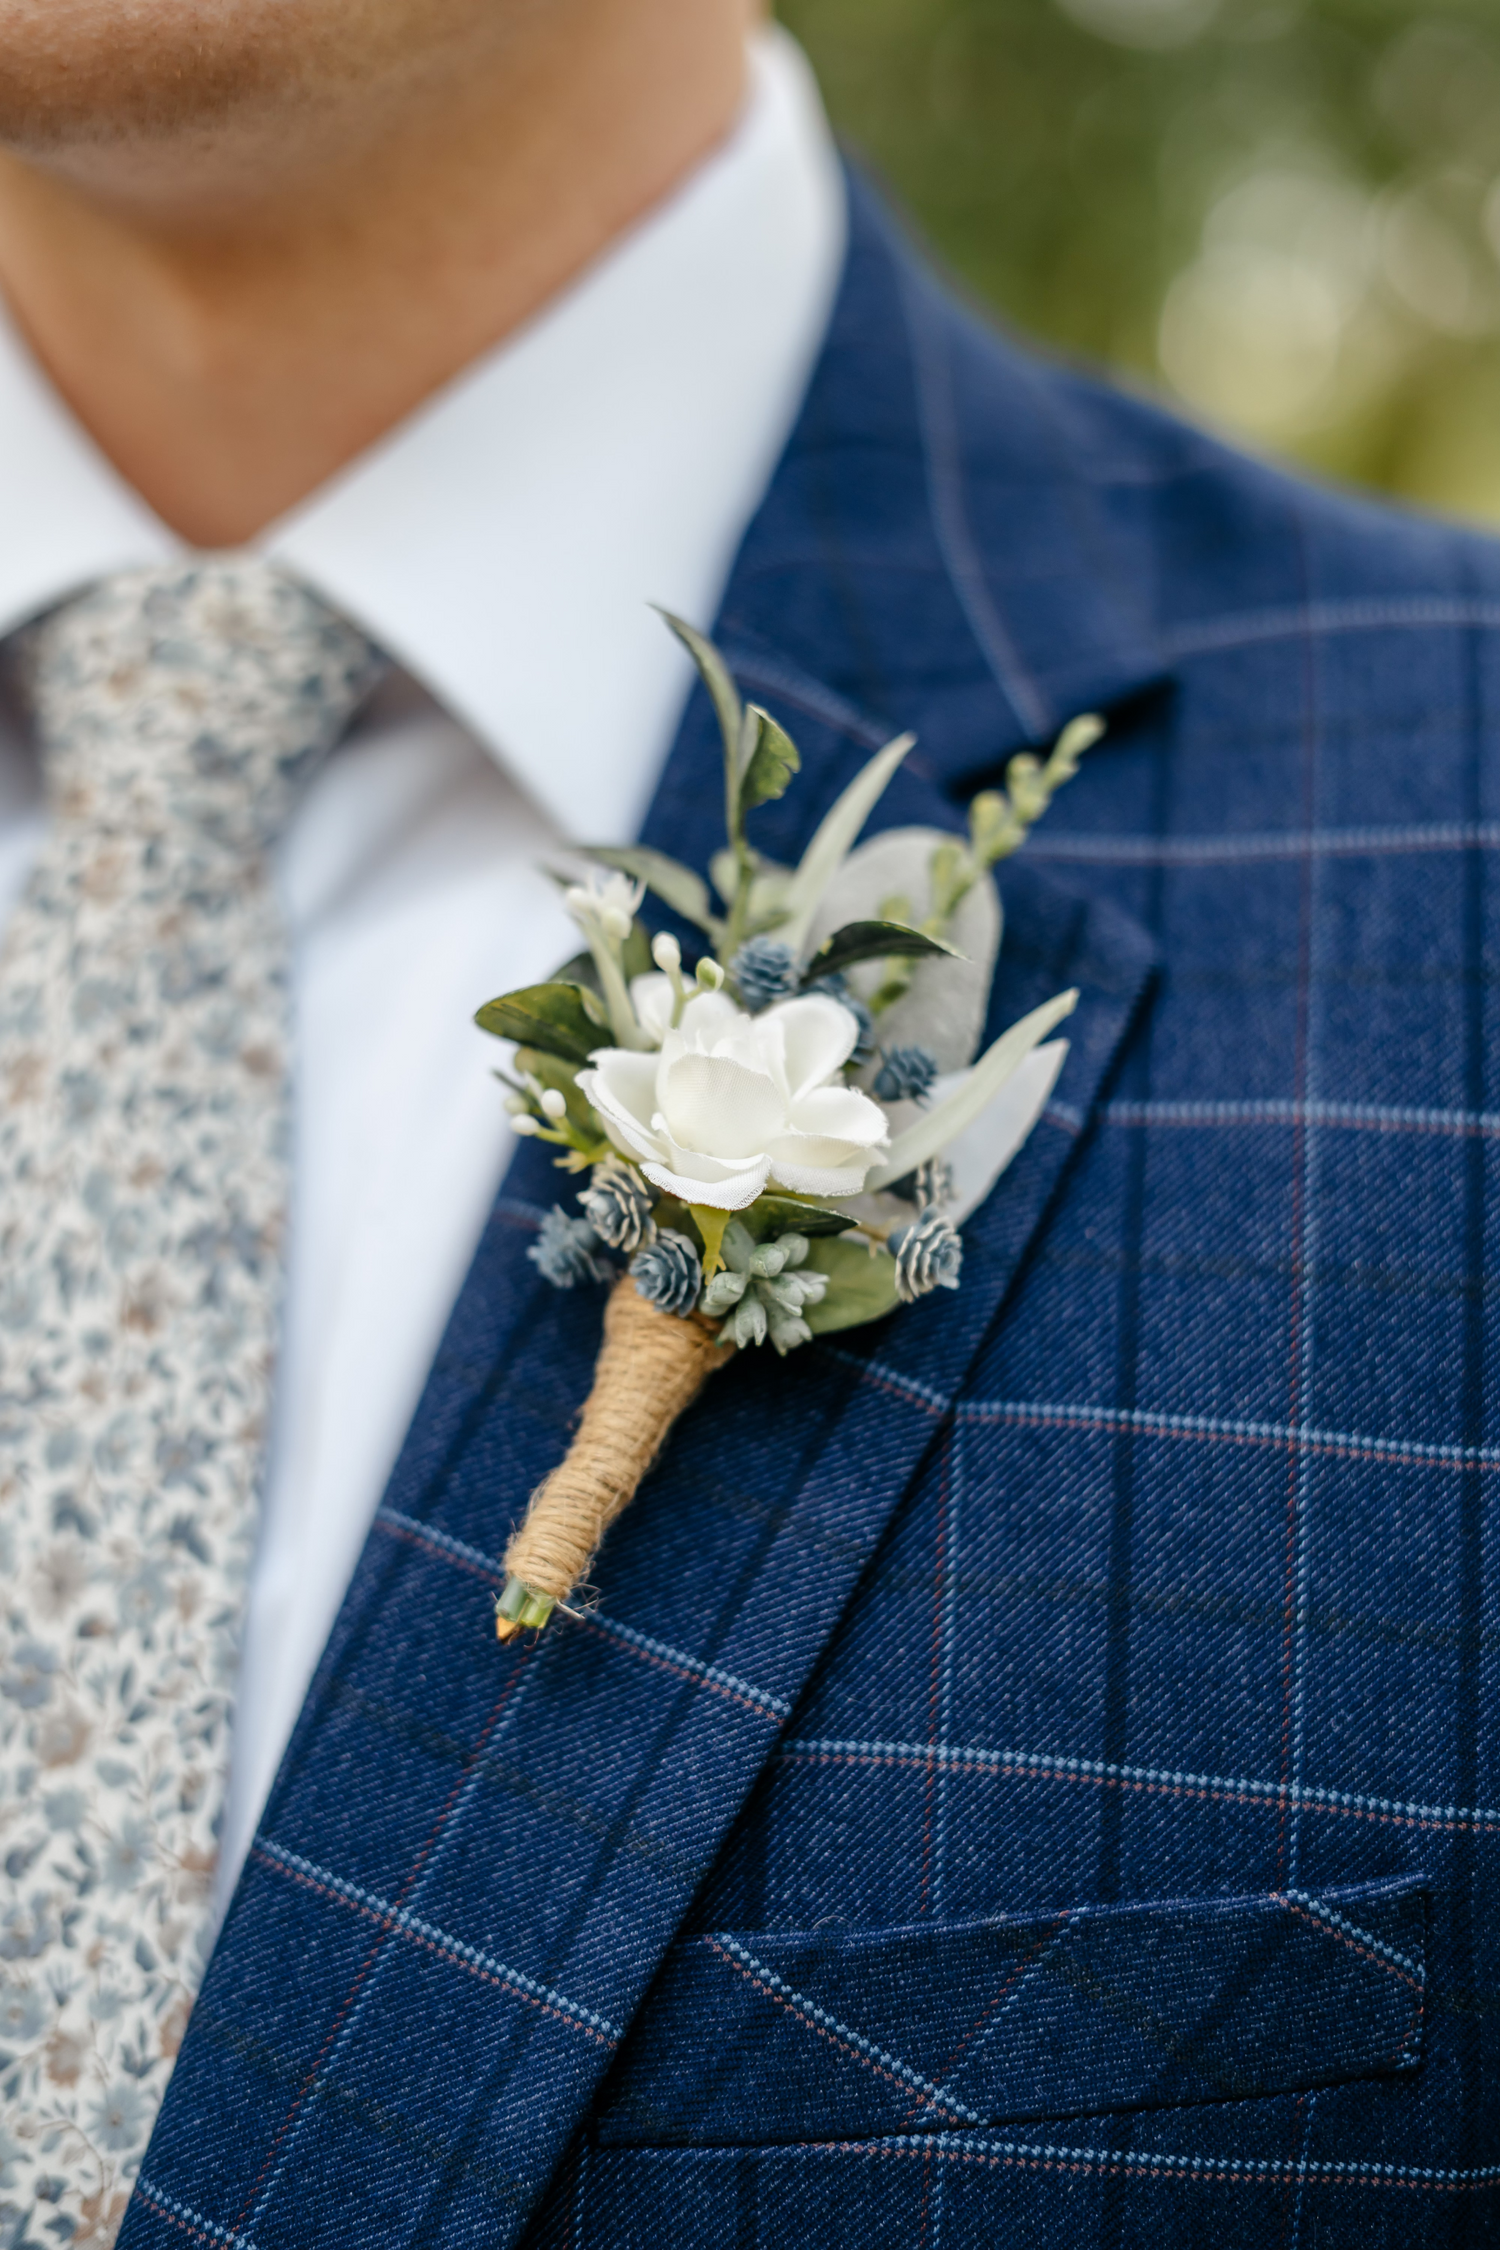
x,y
931,1183
668,1273
929,1255
764,971
618,1207
905,1075
568,1251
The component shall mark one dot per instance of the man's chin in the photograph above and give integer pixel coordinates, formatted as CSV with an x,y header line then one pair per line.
x,y
89,73
79,72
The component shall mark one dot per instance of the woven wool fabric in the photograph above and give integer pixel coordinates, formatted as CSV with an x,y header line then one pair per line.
x,y
142,1185
1070,1706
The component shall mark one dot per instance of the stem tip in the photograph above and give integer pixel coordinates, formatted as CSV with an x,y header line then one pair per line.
x,y
520,1608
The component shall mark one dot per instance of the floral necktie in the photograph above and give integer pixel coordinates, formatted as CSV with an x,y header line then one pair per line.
x,y
143,1131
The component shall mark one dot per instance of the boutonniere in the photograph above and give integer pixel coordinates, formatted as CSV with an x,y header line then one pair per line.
x,y
783,1137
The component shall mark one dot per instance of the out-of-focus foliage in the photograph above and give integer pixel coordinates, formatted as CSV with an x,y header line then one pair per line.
x,y
1285,212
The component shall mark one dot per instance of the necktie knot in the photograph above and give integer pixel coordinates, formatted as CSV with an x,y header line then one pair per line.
x,y
193,699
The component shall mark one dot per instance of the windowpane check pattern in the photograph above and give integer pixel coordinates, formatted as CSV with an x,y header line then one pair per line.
x,y
1032,1776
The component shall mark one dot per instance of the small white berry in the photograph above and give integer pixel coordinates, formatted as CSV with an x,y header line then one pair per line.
x,y
525,1126
616,923
554,1104
666,952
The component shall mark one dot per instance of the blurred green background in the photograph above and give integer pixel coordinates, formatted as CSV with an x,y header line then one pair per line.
x,y
1283,214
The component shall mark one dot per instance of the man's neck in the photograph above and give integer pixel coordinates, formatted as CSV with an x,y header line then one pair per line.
x,y
229,344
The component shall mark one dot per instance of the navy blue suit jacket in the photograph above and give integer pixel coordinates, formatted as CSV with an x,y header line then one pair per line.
x,y
1032,1776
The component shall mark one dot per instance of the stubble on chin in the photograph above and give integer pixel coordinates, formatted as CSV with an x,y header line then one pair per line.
x,y
76,74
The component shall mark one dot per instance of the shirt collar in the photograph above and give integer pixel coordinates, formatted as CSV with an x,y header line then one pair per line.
x,y
504,541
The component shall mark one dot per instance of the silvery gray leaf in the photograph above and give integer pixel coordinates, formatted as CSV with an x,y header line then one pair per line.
x,y
943,1009
937,1128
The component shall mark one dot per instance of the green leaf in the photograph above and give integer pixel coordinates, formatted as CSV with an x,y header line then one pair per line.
x,y
976,1089
715,675
770,759
682,890
834,839
861,1285
579,969
558,1018
872,941
771,1215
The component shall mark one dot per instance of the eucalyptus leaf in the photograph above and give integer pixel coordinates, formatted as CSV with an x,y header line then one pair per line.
x,y
771,1215
558,1018
835,836
871,941
724,867
978,1155
770,759
976,1089
682,890
715,675
861,1285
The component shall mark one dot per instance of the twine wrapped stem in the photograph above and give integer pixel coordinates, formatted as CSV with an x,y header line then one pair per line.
x,y
651,1367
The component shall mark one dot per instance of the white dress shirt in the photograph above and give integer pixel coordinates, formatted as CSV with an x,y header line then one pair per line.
x,y
503,545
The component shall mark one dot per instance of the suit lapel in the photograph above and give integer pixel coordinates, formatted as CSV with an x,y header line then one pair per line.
x,y
474,1858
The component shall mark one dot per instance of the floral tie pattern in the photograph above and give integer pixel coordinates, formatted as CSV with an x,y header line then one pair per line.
x,y
143,1129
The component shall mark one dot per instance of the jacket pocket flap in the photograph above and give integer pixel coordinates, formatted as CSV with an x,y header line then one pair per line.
x,y
762,2036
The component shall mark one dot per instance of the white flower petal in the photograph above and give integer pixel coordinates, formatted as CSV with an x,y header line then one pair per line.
x,y
758,1045
621,1082
826,1182
718,1106
692,1164
730,1100
630,1142
735,1192
589,902
708,1015
629,1135
811,1148
842,1111
820,1034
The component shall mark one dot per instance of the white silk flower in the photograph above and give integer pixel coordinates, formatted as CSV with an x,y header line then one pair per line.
x,y
732,1104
